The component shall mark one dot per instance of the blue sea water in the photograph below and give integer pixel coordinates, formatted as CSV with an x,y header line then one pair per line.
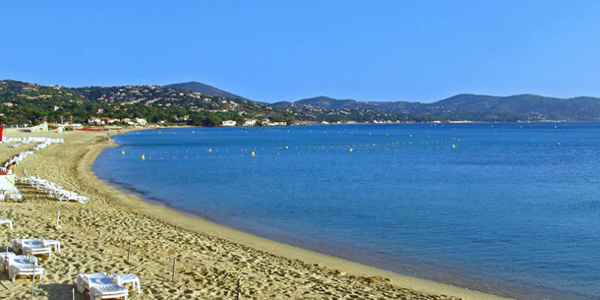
x,y
512,209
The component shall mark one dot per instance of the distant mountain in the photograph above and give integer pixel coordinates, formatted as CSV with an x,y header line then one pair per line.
x,y
391,107
478,108
204,89
327,102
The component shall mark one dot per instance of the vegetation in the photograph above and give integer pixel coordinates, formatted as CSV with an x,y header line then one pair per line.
x,y
28,103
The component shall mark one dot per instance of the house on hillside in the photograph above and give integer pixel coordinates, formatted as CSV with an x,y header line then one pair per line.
x,y
108,120
95,121
128,121
229,123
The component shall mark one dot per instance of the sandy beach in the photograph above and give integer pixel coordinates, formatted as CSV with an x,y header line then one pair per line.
x,y
210,258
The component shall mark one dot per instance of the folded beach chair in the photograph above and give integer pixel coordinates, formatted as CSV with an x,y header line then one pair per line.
x,y
8,222
32,246
100,286
23,265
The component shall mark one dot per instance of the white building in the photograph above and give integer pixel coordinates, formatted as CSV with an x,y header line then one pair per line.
x,y
250,122
229,123
95,121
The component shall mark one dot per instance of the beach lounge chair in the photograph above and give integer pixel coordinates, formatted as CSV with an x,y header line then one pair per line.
x,y
7,221
127,278
4,257
50,243
23,265
100,286
31,246
15,195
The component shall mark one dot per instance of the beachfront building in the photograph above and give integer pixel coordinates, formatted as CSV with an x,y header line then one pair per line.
x,y
229,123
140,121
127,121
95,121
107,120
250,122
275,124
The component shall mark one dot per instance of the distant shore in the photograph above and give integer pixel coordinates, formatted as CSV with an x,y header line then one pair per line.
x,y
211,257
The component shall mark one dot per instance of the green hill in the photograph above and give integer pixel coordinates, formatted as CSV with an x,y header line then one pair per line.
x,y
204,89
30,103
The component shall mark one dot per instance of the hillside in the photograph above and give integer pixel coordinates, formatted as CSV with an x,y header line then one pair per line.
x,y
204,89
30,103
479,108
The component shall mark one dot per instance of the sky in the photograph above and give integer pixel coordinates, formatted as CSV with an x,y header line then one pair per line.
x,y
282,50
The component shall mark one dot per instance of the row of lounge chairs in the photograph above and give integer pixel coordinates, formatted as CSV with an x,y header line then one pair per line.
x,y
53,189
18,158
45,142
27,263
98,285
16,142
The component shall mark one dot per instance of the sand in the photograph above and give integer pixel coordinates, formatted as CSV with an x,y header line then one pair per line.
x,y
210,258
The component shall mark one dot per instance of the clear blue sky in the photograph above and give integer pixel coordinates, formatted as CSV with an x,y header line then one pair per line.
x,y
287,50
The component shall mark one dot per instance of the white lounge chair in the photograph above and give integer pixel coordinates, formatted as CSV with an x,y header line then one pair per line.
x,y
23,265
100,286
7,221
31,246
4,257
127,278
50,243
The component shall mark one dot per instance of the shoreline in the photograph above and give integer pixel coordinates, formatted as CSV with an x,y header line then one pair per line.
x,y
90,145
291,251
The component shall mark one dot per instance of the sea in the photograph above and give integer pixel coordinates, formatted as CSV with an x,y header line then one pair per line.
x,y
511,209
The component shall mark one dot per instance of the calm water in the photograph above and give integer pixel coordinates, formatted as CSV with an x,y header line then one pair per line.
x,y
510,208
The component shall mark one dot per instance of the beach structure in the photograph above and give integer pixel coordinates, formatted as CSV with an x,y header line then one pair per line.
x,y
100,286
39,128
21,265
7,222
8,189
